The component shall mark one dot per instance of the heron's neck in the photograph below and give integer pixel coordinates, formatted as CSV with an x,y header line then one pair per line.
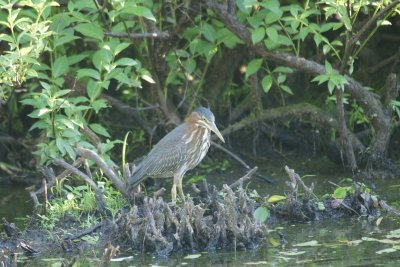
x,y
197,134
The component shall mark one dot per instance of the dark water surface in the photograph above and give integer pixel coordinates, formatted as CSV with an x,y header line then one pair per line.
x,y
15,203
345,242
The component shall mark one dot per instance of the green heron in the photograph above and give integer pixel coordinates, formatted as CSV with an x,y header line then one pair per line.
x,y
179,151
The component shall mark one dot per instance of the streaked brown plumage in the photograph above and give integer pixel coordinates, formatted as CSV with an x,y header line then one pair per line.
x,y
179,151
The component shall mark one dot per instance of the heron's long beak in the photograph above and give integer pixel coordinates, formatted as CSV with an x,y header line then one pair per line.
x,y
214,128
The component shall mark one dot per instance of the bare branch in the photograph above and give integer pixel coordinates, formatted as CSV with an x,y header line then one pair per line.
x,y
88,154
246,177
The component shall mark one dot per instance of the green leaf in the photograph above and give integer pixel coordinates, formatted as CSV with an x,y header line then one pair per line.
x,y
88,73
97,128
340,192
281,78
272,34
266,83
257,35
147,78
209,32
76,58
61,93
64,39
93,89
272,5
120,47
253,67
60,145
60,66
90,30
276,198
328,66
140,11
99,104
272,17
286,89
317,39
261,214
101,58
283,70
189,64
125,61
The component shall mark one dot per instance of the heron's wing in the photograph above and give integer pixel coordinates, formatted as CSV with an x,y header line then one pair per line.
x,y
164,159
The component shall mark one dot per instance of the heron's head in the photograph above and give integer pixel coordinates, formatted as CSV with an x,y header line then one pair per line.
x,y
203,117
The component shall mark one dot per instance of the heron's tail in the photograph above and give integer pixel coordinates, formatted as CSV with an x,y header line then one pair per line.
x,y
137,177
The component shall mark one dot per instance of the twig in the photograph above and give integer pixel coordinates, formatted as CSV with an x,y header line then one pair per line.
x,y
49,173
389,208
152,35
372,22
85,232
77,172
295,178
86,153
241,161
246,177
301,111
101,203
159,192
130,111
230,153
93,137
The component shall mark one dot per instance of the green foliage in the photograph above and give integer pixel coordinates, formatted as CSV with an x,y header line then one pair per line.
x,y
72,53
80,203
342,191
42,38
334,79
26,32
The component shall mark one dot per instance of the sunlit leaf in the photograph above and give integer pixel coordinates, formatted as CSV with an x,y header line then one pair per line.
x,y
340,192
148,78
276,198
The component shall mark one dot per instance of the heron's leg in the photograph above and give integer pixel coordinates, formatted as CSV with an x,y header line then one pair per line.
x,y
175,184
173,192
180,189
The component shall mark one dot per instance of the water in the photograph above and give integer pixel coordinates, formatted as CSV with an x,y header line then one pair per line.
x,y
15,203
344,242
